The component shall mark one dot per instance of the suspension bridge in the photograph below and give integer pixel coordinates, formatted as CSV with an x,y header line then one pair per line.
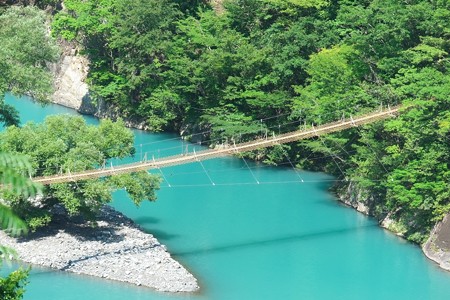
x,y
193,156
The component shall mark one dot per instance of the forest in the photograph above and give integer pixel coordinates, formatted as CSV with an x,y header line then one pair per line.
x,y
239,69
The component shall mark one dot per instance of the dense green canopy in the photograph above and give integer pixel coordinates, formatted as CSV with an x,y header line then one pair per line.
x,y
12,286
25,53
68,144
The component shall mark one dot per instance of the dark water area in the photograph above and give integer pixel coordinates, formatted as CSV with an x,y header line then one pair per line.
x,y
280,239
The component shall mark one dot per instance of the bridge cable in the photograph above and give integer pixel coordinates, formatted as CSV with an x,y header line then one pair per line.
x,y
246,164
212,140
343,149
251,172
204,132
204,169
266,183
332,154
162,174
260,166
177,138
294,168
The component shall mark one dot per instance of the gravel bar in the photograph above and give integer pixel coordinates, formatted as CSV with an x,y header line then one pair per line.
x,y
115,249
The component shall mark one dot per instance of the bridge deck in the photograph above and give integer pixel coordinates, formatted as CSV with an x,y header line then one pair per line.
x,y
213,153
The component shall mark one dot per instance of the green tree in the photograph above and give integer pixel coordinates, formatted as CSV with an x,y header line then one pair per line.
x,y
335,84
71,146
12,286
12,169
26,49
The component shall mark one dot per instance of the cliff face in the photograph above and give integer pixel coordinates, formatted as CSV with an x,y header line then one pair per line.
x,y
70,74
437,247
352,195
72,90
355,198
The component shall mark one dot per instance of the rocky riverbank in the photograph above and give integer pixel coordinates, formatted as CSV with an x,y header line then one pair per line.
x,y
114,249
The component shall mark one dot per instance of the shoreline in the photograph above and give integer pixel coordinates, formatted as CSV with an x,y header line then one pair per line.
x,y
116,249
436,248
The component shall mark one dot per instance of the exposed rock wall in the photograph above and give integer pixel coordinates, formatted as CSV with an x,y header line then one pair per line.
x,y
217,6
103,110
70,73
437,247
72,90
352,195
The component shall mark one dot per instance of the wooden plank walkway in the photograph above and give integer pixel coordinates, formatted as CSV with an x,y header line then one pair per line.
x,y
213,153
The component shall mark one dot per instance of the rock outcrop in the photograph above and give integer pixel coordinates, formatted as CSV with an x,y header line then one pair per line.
x,y
70,74
353,196
72,90
437,247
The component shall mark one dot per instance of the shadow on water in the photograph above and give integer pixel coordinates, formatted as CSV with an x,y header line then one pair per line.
x,y
276,241
160,234
146,220
146,225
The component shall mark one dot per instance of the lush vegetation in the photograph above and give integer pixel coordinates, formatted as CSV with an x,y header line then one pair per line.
x,y
12,286
262,64
69,143
26,49
70,146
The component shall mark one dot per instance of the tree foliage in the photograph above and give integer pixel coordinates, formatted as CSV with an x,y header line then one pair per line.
x,y
70,146
26,49
12,286
12,179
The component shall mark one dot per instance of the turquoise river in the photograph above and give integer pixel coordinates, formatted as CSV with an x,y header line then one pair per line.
x,y
280,239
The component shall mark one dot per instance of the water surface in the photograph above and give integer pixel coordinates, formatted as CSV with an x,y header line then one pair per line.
x,y
280,239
